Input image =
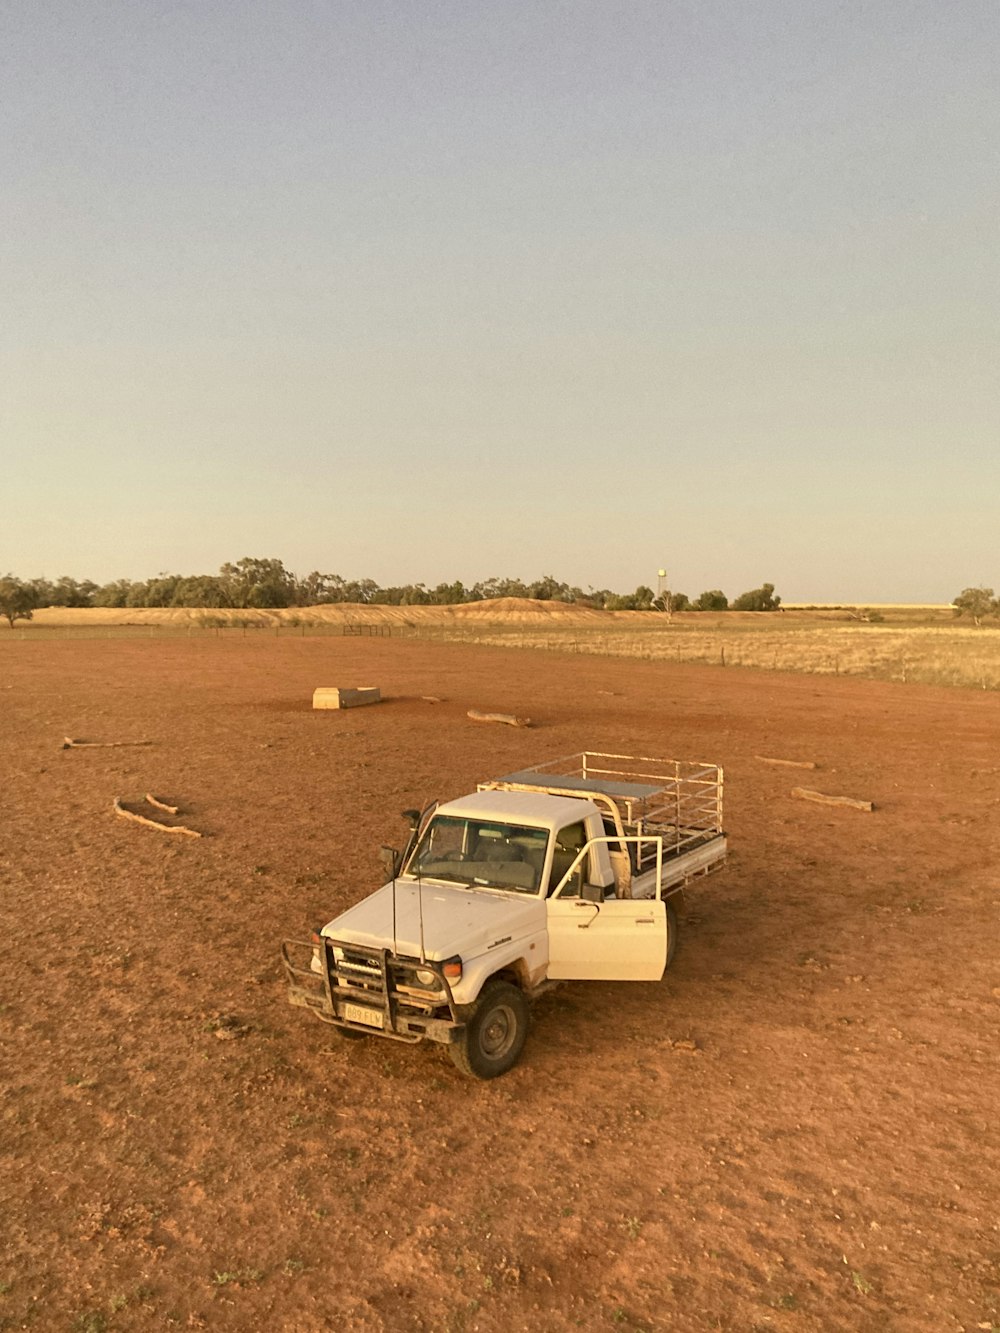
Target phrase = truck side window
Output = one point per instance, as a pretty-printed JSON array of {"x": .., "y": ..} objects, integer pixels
[{"x": 568, "y": 843}]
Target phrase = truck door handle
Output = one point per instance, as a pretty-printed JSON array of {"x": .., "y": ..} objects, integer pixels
[{"x": 595, "y": 908}]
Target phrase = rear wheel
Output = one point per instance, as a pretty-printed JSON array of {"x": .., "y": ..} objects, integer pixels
[
  {"x": 495, "y": 1034},
  {"x": 671, "y": 934}
]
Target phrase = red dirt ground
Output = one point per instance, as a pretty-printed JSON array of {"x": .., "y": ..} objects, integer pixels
[{"x": 180, "y": 1148}]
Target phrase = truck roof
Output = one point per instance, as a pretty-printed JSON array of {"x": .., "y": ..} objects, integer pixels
[{"x": 524, "y": 807}]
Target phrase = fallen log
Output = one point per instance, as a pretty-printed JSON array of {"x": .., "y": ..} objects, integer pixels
[
  {"x": 508, "y": 719},
  {"x": 170, "y": 809},
  {"x": 804, "y": 794},
  {"x": 70, "y": 744},
  {"x": 119, "y": 809},
  {"x": 786, "y": 763}
]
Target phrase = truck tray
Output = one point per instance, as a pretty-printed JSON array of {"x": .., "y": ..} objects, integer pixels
[{"x": 678, "y": 801}]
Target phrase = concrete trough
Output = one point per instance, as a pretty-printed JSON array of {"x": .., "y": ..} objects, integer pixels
[{"x": 330, "y": 696}]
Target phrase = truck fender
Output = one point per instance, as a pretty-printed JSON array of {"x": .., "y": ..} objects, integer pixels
[{"x": 513, "y": 965}]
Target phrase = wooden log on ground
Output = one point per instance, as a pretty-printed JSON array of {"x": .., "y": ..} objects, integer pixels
[
  {"x": 804, "y": 794},
  {"x": 119, "y": 809},
  {"x": 70, "y": 744},
  {"x": 329, "y": 696},
  {"x": 508, "y": 719},
  {"x": 786, "y": 763},
  {"x": 170, "y": 809}
]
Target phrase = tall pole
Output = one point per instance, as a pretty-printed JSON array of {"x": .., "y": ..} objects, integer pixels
[{"x": 661, "y": 589}]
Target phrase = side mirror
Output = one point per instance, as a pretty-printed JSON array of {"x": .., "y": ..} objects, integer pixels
[
  {"x": 413, "y": 816},
  {"x": 592, "y": 893},
  {"x": 389, "y": 858}
]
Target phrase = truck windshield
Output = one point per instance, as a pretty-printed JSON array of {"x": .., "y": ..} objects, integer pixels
[{"x": 481, "y": 851}]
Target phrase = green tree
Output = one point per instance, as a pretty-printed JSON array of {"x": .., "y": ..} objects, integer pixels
[
  {"x": 601, "y": 598},
  {"x": 158, "y": 592},
  {"x": 200, "y": 590},
  {"x": 44, "y": 592},
  {"x": 69, "y": 592},
  {"x": 713, "y": 600},
  {"x": 256, "y": 582},
  {"x": 977, "y": 603},
  {"x": 489, "y": 589},
  {"x": 317, "y": 589},
  {"x": 136, "y": 595},
  {"x": 407, "y": 594},
  {"x": 113, "y": 594},
  {"x": 449, "y": 594},
  {"x": 17, "y": 600},
  {"x": 549, "y": 589},
  {"x": 414, "y": 594},
  {"x": 640, "y": 600},
  {"x": 362, "y": 591},
  {"x": 759, "y": 599}
]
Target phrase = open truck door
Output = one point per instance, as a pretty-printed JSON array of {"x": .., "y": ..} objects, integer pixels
[{"x": 616, "y": 940}]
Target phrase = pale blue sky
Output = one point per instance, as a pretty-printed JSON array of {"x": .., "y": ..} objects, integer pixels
[{"x": 442, "y": 289}]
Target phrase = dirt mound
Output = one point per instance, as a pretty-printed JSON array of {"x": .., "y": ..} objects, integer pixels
[
  {"x": 507, "y": 609},
  {"x": 356, "y": 613},
  {"x": 524, "y": 609},
  {"x": 143, "y": 615}
]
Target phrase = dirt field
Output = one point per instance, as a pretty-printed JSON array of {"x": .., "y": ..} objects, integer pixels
[{"x": 179, "y": 1147}]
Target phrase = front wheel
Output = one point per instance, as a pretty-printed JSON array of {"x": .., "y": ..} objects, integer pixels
[{"x": 495, "y": 1034}]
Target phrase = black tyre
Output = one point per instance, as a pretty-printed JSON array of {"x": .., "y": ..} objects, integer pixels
[
  {"x": 671, "y": 934},
  {"x": 494, "y": 1037},
  {"x": 352, "y": 1034}
]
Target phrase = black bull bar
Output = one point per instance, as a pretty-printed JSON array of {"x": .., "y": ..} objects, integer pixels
[{"x": 370, "y": 990}]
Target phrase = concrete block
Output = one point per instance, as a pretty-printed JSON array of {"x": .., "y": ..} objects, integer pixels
[{"x": 329, "y": 696}]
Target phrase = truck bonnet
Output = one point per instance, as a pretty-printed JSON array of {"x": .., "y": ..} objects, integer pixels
[{"x": 456, "y": 920}]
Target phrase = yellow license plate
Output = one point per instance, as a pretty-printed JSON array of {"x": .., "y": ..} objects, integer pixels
[{"x": 359, "y": 1013}]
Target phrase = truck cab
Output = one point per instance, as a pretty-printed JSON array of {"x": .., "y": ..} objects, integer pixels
[{"x": 553, "y": 850}]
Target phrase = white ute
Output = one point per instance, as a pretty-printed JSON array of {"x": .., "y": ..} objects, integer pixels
[{"x": 561, "y": 872}]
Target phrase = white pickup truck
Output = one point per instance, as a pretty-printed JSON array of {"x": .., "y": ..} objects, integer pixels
[{"x": 561, "y": 872}]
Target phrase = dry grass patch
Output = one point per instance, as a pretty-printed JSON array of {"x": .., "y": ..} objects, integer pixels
[{"x": 952, "y": 655}]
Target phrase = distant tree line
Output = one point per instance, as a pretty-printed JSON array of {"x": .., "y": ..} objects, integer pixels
[
  {"x": 758, "y": 599},
  {"x": 266, "y": 583}
]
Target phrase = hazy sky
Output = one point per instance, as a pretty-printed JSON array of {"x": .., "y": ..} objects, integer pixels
[{"x": 433, "y": 289}]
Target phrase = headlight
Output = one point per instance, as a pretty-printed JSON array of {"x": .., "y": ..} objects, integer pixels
[{"x": 451, "y": 967}]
